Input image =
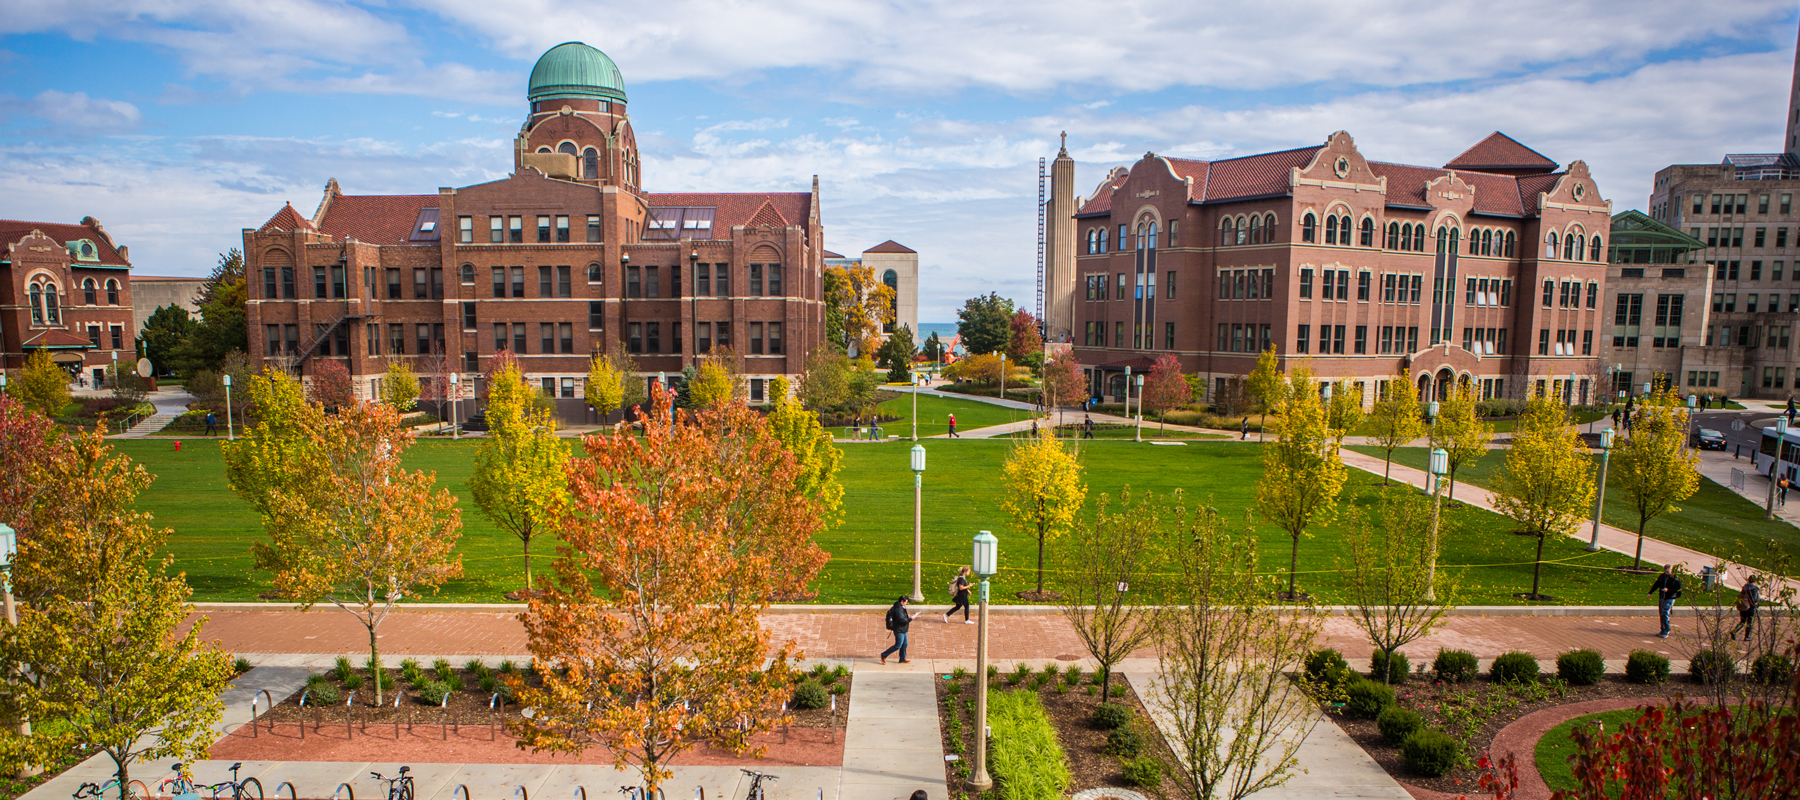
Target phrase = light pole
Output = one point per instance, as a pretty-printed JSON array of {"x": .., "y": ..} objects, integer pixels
[
  {"x": 985, "y": 563},
  {"x": 455, "y": 394},
  {"x": 229, "y": 435},
  {"x": 1138, "y": 434},
  {"x": 9, "y": 547},
  {"x": 1693, "y": 402},
  {"x": 918, "y": 469},
  {"x": 1440, "y": 466},
  {"x": 1002, "y": 376},
  {"x": 1431, "y": 415},
  {"x": 917, "y": 379},
  {"x": 1606, "y": 443},
  {"x": 1781, "y": 428}
]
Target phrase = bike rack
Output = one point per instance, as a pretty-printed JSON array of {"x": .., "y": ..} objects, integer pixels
[
  {"x": 832, "y": 722},
  {"x": 253, "y": 722},
  {"x": 397, "y": 697},
  {"x": 292, "y": 793},
  {"x": 580, "y": 793},
  {"x": 344, "y": 791},
  {"x": 445, "y": 726},
  {"x": 494, "y": 720},
  {"x": 461, "y": 792},
  {"x": 520, "y": 793},
  {"x": 349, "y": 713},
  {"x": 303, "y": 698}
]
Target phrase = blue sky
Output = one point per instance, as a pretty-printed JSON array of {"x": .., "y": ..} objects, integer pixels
[{"x": 178, "y": 123}]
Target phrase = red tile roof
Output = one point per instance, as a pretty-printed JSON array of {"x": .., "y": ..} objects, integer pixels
[
  {"x": 287, "y": 219},
  {"x": 1530, "y": 185},
  {"x": 829, "y": 254},
  {"x": 1252, "y": 176},
  {"x": 1406, "y": 183},
  {"x": 767, "y": 215},
  {"x": 12, "y": 230},
  {"x": 56, "y": 337},
  {"x": 1101, "y": 202},
  {"x": 1501, "y": 152},
  {"x": 738, "y": 208},
  {"x": 1494, "y": 194},
  {"x": 890, "y": 246},
  {"x": 384, "y": 219}
]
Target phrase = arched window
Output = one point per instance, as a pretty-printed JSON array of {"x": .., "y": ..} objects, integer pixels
[
  {"x": 1594, "y": 249},
  {"x": 1139, "y": 233},
  {"x": 1418, "y": 238},
  {"x": 1228, "y": 231},
  {"x": 543, "y": 149},
  {"x": 1091, "y": 241},
  {"x": 594, "y": 273},
  {"x": 37, "y": 304},
  {"x": 590, "y": 164},
  {"x": 52, "y": 314},
  {"x": 1510, "y": 239},
  {"x": 1487, "y": 242},
  {"x": 1344, "y": 230},
  {"x": 1368, "y": 232},
  {"x": 1331, "y": 236},
  {"x": 1393, "y": 236},
  {"x": 1269, "y": 227},
  {"x": 1243, "y": 236},
  {"x": 566, "y": 148},
  {"x": 1443, "y": 238},
  {"x": 1474, "y": 242},
  {"x": 1102, "y": 240},
  {"x": 1550, "y": 246},
  {"x": 112, "y": 292},
  {"x": 89, "y": 293},
  {"x": 1308, "y": 224},
  {"x": 1455, "y": 235},
  {"x": 1151, "y": 245},
  {"x": 1256, "y": 230},
  {"x": 1572, "y": 247},
  {"x": 468, "y": 274}
]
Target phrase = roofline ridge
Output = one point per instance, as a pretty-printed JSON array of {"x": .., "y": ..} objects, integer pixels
[{"x": 1270, "y": 153}]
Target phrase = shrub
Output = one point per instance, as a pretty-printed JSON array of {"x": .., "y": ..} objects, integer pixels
[
  {"x": 1772, "y": 668},
  {"x": 953, "y": 689},
  {"x": 1455, "y": 666},
  {"x": 241, "y": 665},
  {"x": 342, "y": 668},
  {"x": 1124, "y": 742},
  {"x": 507, "y": 667},
  {"x": 811, "y": 694},
  {"x": 1111, "y": 716},
  {"x": 409, "y": 665},
  {"x": 1581, "y": 667},
  {"x": 840, "y": 672},
  {"x": 1099, "y": 676},
  {"x": 1430, "y": 753},
  {"x": 1643, "y": 666},
  {"x": 959, "y": 673},
  {"x": 1712, "y": 666},
  {"x": 1025, "y": 757},
  {"x": 993, "y": 671},
  {"x": 474, "y": 667},
  {"x": 1051, "y": 670},
  {"x": 840, "y": 688},
  {"x": 1514, "y": 666},
  {"x": 1092, "y": 690},
  {"x": 1395, "y": 665},
  {"x": 1144, "y": 771},
  {"x": 1021, "y": 672},
  {"x": 1118, "y": 689},
  {"x": 434, "y": 692},
  {"x": 1397, "y": 723},
  {"x": 325, "y": 694},
  {"x": 443, "y": 669},
  {"x": 1072, "y": 675},
  {"x": 1366, "y": 699},
  {"x": 488, "y": 684},
  {"x": 386, "y": 679},
  {"x": 314, "y": 680},
  {"x": 1040, "y": 680},
  {"x": 353, "y": 681},
  {"x": 1324, "y": 663}
]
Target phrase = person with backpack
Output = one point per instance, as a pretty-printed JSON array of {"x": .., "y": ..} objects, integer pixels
[
  {"x": 212, "y": 424},
  {"x": 1748, "y": 599},
  {"x": 898, "y": 621},
  {"x": 959, "y": 594},
  {"x": 1666, "y": 590}
]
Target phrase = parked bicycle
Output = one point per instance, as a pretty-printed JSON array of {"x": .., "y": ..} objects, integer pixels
[
  {"x": 638, "y": 793},
  {"x": 756, "y": 787},
  {"x": 400, "y": 788},
  {"x": 101, "y": 791}
]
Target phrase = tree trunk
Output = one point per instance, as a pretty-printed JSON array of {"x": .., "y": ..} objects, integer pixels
[
  {"x": 1264, "y": 426},
  {"x": 1537, "y": 568},
  {"x": 1105, "y": 682},
  {"x": 1040, "y": 565},
  {"x": 527, "y": 539},
  {"x": 122, "y": 773},
  {"x": 1390, "y": 467},
  {"x": 1637, "y": 560},
  {"x": 1293, "y": 566},
  {"x": 375, "y": 665},
  {"x": 1452, "y": 494}
]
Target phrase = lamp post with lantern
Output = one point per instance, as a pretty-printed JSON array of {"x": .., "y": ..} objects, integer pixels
[
  {"x": 1606, "y": 443},
  {"x": 985, "y": 563},
  {"x": 455, "y": 395},
  {"x": 918, "y": 470},
  {"x": 1781, "y": 429},
  {"x": 1440, "y": 466},
  {"x": 230, "y": 434},
  {"x": 1138, "y": 433},
  {"x": 1693, "y": 402}
]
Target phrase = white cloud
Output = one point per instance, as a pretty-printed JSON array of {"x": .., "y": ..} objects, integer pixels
[{"x": 76, "y": 112}]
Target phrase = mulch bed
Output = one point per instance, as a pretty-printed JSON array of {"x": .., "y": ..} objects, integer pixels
[{"x": 1071, "y": 713}]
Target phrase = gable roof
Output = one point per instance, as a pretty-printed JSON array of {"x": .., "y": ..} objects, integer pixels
[
  {"x": 890, "y": 246},
  {"x": 738, "y": 208},
  {"x": 767, "y": 215},
  {"x": 12, "y": 230},
  {"x": 384, "y": 219},
  {"x": 829, "y": 254},
  {"x": 1260, "y": 175},
  {"x": 1501, "y": 152},
  {"x": 287, "y": 219}
]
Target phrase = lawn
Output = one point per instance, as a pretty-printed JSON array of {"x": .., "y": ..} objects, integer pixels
[
  {"x": 213, "y": 529},
  {"x": 934, "y": 412},
  {"x": 1715, "y": 520},
  {"x": 1555, "y": 748}
]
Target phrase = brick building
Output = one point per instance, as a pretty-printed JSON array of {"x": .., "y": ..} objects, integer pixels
[
  {"x": 65, "y": 289},
  {"x": 562, "y": 258},
  {"x": 1487, "y": 270}
]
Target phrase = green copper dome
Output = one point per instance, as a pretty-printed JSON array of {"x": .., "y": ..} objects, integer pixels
[{"x": 573, "y": 69}]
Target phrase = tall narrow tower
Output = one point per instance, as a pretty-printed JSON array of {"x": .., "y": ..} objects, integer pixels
[
  {"x": 1792, "y": 145},
  {"x": 1059, "y": 255}
]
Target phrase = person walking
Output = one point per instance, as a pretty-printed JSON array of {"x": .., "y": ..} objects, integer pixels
[
  {"x": 212, "y": 424},
  {"x": 1034, "y": 429},
  {"x": 959, "y": 594},
  {"x": 1781, "y": 497},
  {"x": 953, "y": 427},
  {"x": 1244, "y": 429},
  {"x": 1666, "y": 590},
  {"x": 898, "y": 620},
  {"x": 1615, "y": 418},
  {"x": 1749, "y": 598},
  {"x": 1087, "y": 427}
]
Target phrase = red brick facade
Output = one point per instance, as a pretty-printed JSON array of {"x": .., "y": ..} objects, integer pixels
[
  {"x": 65, "y": 289},
  {"x": 1360, "y": 267}
]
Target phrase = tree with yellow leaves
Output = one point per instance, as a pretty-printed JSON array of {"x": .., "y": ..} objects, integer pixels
[
  {"x": 1268, "y": 388},
  {"x": 800, "y": 432},
  {"x": 1547, "y": 482},
  {"x": 1044, "y": 491},
  {"x": 1459, "y": 432},
  {"x": 716, "y": 382},
  {"x": 519, "y": 481},
  {"x": 857, "y": 307},
  {"x": 42, "y": 385},
  {"x": 1395, "y": 419},
  {"x": 1653, "y": 464},
  {"x": 400, "y": 387},
  {"x": 1302, "y": 473},
  {"x": 605, "y": 386},
  {"x": 1344, "y": 412}
]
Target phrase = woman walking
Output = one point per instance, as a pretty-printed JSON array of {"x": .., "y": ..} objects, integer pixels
[
  {"x": 959, "y": 592},
  {"x": 1748, "y": 599}
]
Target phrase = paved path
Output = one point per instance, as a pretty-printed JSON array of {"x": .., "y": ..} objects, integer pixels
[
  {"x": 170, "y": 403},
  {"x": 892, "y": 745}
]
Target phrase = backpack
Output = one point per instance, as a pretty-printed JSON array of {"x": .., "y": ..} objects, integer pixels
[
  {"x": 1743, "y": 601},
  {"x": 952, "y": 587},
  {"x": 890, "y": 619}
]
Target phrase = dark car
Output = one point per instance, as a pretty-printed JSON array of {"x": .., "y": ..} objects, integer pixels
[{"x": 1709, "y": 439}]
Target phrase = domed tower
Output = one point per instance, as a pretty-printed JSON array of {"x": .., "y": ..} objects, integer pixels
[{"x": 578, "y": 129}]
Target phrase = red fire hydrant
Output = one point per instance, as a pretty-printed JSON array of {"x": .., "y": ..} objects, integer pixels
[{"x": 177, "y": 445}]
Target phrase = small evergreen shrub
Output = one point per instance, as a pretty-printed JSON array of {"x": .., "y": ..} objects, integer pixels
[
  {"x": 434, "y": 692},
  {"x": 1455, "y": 666},
  {"x": 1772, "y": 668},
  {"x": 1099, "y": 676},
  {"x": 474, "y": 667},
  {"x": 1092, "y": 689},
  {"x": 1430, "y": 753},
  {"x": 342, "y": 668},
  {"x": 840, "y": 688},
  {"x": 953, "y": 689},
  {"x": 1072, "y": 675},
  {"x": 1051, "y": 670},
  {"x": 1111, "y": 716},
  {"x": 386, "y": 679},
  {"x": 241, "y": 665},
  {"x": 443, "y": 669},
  {"x": 1581, "y": 667},
  {"x": 507, "y": 667},
  {"x": 324, "y": 694},
  {"x": 959, "y": 673},
  {"x": 1117, "y": 690},
  {"x": 811, "y": 694},
  {"x": 1515, "y": 666},
  {"x": 1365, "y": 699},
  {"x": 1124, "y": 743},
  {"x": 1144, "y": 771},
  {"x": 314, "y": 680},
  {"x": 1643, "y": 666},
  {"x": 353, "y": 681},
  {"x": 1324, "y": 663},
  {"x": 1712, "y": 666},
  {"x": 488, "y": 684},
  {"x": 1396, "y": 666},
  {"x": 1397, "y": 723}
]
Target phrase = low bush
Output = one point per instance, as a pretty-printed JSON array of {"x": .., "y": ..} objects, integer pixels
[
  {"x": 1772, "y": 668},
  {"x": 1455, "y": 666},
  {"x": 1025, "y": 757},
  {"x": 1111, "y": 716},
  {"x": 507, "y": 667},
  {"x": 1124, "y": 742},
  {"x": 1144, "y": 771},
  {"x": 1072, "y": 675},
  {"x": 443, "y": 669},
  {"x": 474, "y": 667},
  {"x": 241, "y": 665},
  {"x": 959, "y": 673},
  {"x": 811, "y": 694},
  {"x": 840, "y": 688},
  {"x": 1581, "y": 667},
  {"x": 1430, "y": 753},
  {"x": 1388, "y": 668},
  {"x": 488, "y": 684},
  {"x": 1397, "y": 723},
  {"x": 386, "y": 679},
  {"x": 1643, "y": 666},
  {"x": 323, "y": 694},
  {"x": 1323, "y": 662},
  {"x": 1515, "y": 666},
  {"x": 434, "y": 692},
  {"x": 1712, "y": 666},
  {"x": 1365, "y": 699},
  {"x": 341, "y": 668},
  {"x": 353, "y": 681}
]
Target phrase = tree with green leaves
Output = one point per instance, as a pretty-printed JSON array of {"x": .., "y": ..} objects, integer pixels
[
  {"x": 825, "y": 384},
  {"x": 1302, "y": 472},
  {"x": 1043, "y": 491},
  {"x": 42, "y": 385},
  {"x": 400, "y": 387},
  {"x": 1024, "y": 345},
  {"x": 1395, "y": 420},
  {"x": 800, "y": 432},
  {"x": 1393, "y": 551},
  {"x": 896, "y": 355},
  {"x": 1459, "y": 431},
  {"x": 934, "y": 348},
  {"x": 164, "y": 333},
  {"x": 1546, "y": 484},
  {"x": 985, "y": 324},
  {"x": 519, "y": 481},
  {"x": 1109, "y": 578},
  {"x": 1653, "y": 464},
  {"x": 1267, "y": 386},
  {"x": 223, "y": 327}
]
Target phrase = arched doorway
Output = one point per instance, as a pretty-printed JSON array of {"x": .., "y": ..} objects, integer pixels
[
  {"x": 1424, "y": 388},
  {"x": 1444, "y": 378}
]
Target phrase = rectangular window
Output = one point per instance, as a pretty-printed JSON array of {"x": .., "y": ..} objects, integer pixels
[
  {"x": 546, "y": 337},
  {"x": 565, "y": 337},
  {"x": 1118, "y": 334},
  {"x": 1781, "y": 237},
  {"x": 423, "y": 334},
  {"x": 549, "y": 386},
  {"x": 499, "y": 281},
  {"x": 518, "y": 330},
  {"x": 1757, "y": 241},
  {"x": 1418, "y": 286},
  {"x": 1593, "y": 300},
  {"x": 1169, "y": 287},
  {"x": 1119, "y": 288},
  {"x": 1787, "y": 204},
  {"x": 722, "y": 280},
  {"x": 1550, "y": 292},
  {"x": 543, "y": 229},
  {"x": 703, "y": 281},
  {"x": 518, "y": 281},
  {"x": 1362, "y": 337},
  {"x": 494, "y": 234},
  {"x": 703, "y": 336},
  {"x": 1737, "y": 237},
  {"x": 775, "y": 338},
  {"x": 568, "y": 387},
  {"x": 1362, "y": 285},
  {"x": 596, "y": 315},
  {"x": 562, "y": 229},
  {"x": 1337, "y": 339},
  {"x": 1712, "y": 237},
  {"x": 756, "y": 390},
  {"x": 1387, "y": 288},
  {"x": 565, "y": 285},
  {"x": 650, "y": 288},
  {"x": 723, "y": 331},
  {"x": 1168, "y": 336},
  {"x": 1762, "y": 204},
  {"x": 515, "y": 227},
  {"x": 1587, "y": 343},
  {"x": 465, "y": 230},
  {"x": 1306, "y": 280},
  {"x": 775, "y": 280},
  {"x": 756, "y": 280},
  {"x": 372, "y": 335},
  {"x": 1715, "y": 204},
  {"x": 593, "y": 228},
  {"x": 1750, "y": 303},
  {"x": 292, "y": 333},
  {"x": 653, "y": 337},
  {"x": 1469, "y": 292},
  {"x": 1756, "y": 270},
  {"x": 544, "y": 289},
  {"x": 1628, "y": 313},
  {"x": 499, "y": 336},
  {"x": 1300, "y": 338},
  {"x": 468, "y": 310},
  {"x": 396, "y": 338},
  {"x": 674, "y": 281},
  {"x": 634, "y": 286},
  {"x": 1543, "y": 341}
]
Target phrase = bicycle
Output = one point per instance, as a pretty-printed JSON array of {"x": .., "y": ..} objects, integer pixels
[
  {"x": 638, "y": 793},
  {"x": 183, "y": 783},
  {"x": 99, "y": 791},
  {"x": 246, "y": 789},
  {"x": 400, "y": 788},
  {"x": 756, "y": 779}
]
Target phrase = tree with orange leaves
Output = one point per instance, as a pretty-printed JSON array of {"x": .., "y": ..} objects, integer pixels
[{"x": 672, "y": 545}]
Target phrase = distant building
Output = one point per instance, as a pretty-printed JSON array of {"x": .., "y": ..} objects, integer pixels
[
  {"x": 151, "y": 292},
  {"x": 897, "y": 266},
  {"x": 65, "y": 289},
  {"x": 1059, "y": 249}
]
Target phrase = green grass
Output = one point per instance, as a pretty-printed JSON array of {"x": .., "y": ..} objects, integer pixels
[
  {"x": 1028, "y": 762},
  {"x": 1555, "y": 748},
  {"x": 1499, "y": 425},
  {"x": 934, "y": 412},
  {"x": 1116, "y": 431},
  {"x": 1716, "y": 520},
  {"x": 871, "y": 550}
]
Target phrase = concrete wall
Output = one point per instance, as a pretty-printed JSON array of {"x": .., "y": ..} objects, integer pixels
[{"x": 149, "y": 293}]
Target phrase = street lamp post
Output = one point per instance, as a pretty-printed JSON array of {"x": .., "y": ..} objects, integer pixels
[
  {"x": 918, "y": 470},
  {"x": 985, "y": 563},
  {"x": 1440, "y": 466},
  {"x": 455, "y": 395},
  {"x": 1138, "y": 434},
  {"x": 1431, "y": 415},
  {"x": 1781, "y": 429},
  {"x": 917, "y": 379},
  {"x": 1002, "y": 376},
  {"x": 1606, "y": 443},
  {"x": 1693, "y": 401},
  {"x": 229, "y": 434}
]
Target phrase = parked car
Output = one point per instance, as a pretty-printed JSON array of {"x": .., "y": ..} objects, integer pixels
[{"x": 1709, "y": 439}]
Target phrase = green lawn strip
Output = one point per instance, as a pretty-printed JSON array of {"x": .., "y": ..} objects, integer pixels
[
  {"x": 1558, "y": 745},
  {"x": 1715, "y": 521},
  {"x": 1027, "y": 761},
  {"x": 1500, "y": 425},
  {"x": 934, "y": 413},
  {"x": 871, "y": 550},
  {"x": 1120, "y": 431}
]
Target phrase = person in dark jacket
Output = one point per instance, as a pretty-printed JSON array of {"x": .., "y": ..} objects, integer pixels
[
  {"x": 898, "y": 620},
  {"x": 1666, "y": 590},
  {"x": 1748, "y": 599},
  {"x": 959, "y": 594}
]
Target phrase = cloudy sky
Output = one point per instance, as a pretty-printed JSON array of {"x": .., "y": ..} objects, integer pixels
[{"x": 179, "y": 122}]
